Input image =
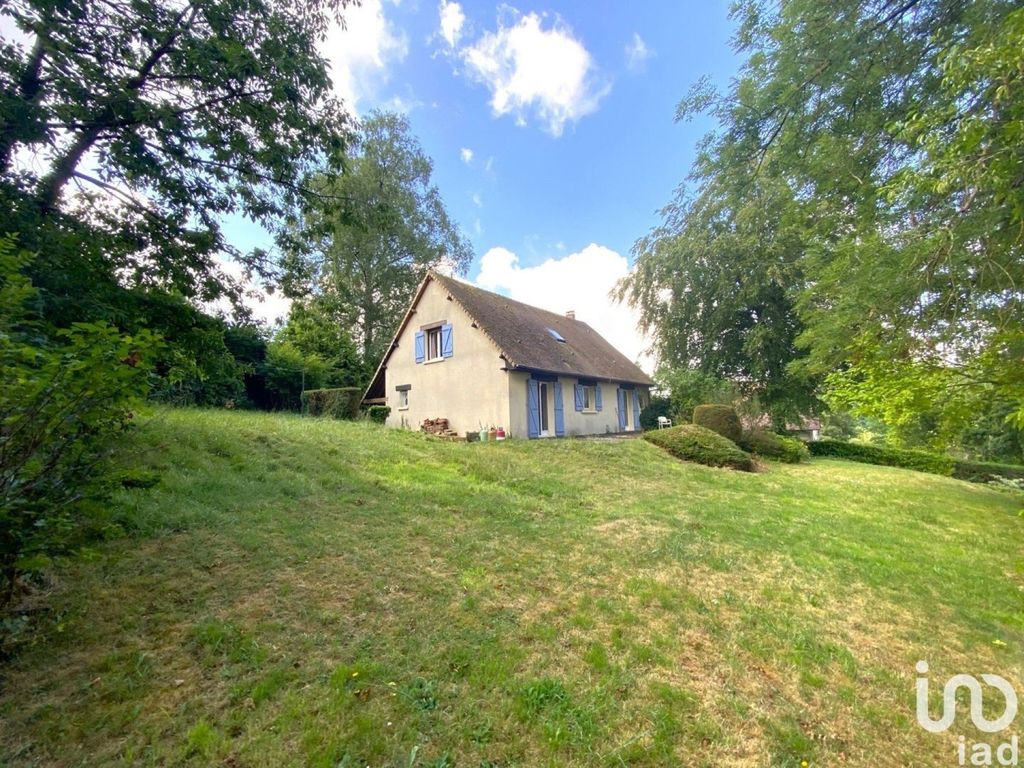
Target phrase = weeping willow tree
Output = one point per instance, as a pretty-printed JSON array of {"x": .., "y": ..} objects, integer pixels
[{"x": 854, "y": 227}]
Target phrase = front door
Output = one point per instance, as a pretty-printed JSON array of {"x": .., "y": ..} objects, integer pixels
[{"x": 545, "y": 415}]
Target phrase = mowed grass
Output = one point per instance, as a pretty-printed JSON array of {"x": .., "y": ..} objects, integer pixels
[{"x": 308, "y": 592}]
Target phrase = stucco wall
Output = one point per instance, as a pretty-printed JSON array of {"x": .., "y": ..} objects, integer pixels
[
  {"x": 469, "y": 388},
  {"x": 576, "y": 422}
]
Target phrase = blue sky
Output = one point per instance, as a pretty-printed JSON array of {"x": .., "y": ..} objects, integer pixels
[{"x": 550, "y": 126}]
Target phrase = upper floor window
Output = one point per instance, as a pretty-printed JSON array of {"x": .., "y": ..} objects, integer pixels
[{"x": 434, "y": 343}]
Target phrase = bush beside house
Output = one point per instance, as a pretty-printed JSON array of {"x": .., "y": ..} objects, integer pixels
[
  {"x": 379, "y": 413},
  {"x": 692, "y": 442},
  {"x": 338, "y": 403}
]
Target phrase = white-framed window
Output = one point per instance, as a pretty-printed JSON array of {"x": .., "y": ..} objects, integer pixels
[
  {"x": 434, "y": 343},
  {"x": 403, "y": 399},
  {"x": 589, "y": 397}
]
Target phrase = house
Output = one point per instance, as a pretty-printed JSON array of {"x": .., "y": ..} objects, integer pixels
[
  {"x": 480, "y": 359},
  {"x": 807, "y": 429}
]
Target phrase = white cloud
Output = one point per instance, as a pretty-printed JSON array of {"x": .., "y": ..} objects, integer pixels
[
  {"x": 265, "y": 307},
  {"x": 531, "y": 70},
  {"x": 489, "y": 164},
  {"x": 477, "y": 200},
  {"x": 580, "y": 282},
  {"x": 362, "y": 53},
  {"x": 466, "y": 154},
  {"x": 637, "y": 54},
  {"x": 452, "y": 20}
]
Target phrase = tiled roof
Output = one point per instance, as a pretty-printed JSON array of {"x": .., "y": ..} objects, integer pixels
[{"x": 524, "y": 335}]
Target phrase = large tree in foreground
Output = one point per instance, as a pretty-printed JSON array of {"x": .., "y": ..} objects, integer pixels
[
  {"x": 868, "y": 175},
  {"x": 372, "y": 232},
  {"x": 135, "y": 127}
]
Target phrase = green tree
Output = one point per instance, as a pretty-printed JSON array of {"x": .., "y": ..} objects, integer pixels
[
  {"x": 316, "y": 327},
  {"x": 369, "y": 237},
  {"x": 63, "y": 400},
  {"x": 866, "y": 178},
  {"x": 289, "y": 372},
  {"x": 179, "y": 113}
]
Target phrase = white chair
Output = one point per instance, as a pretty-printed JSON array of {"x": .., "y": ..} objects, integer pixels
[{"x": 664, "y": 421}]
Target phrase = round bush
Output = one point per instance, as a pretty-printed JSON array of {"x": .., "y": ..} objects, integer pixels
[
  {"x": 719, "y": 418},
  {"x": 773, "y": 446},
  {"x": 691, "y": 442}
]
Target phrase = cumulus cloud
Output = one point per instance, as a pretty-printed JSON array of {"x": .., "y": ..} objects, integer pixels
[
  {"x": 361, "y": 54},
  {"x": 637, "y": 54},
  {"x": 452, "y": 20},
  {"x": 466, "y": 154},
  {"x": 580, "y": 282},
  {"x": 533, "y": 71}
]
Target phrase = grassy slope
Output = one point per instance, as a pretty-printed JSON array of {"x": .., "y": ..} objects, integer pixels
[{"x": 308, "y": 592}]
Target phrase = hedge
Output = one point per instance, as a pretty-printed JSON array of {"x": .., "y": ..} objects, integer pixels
[
  {"x": 378, "y": 413},
  {"x": 890, "y": 457},
  {"x": 722, "y": 419},
  {"x": 772, "y": 446},
  {"x": 339, "y": 403},
  {"x": 691, "y": 442},
  {"x": 983, "y": 471}
]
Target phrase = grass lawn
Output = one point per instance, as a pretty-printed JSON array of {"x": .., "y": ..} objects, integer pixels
[{"x": 308, "y": 592}]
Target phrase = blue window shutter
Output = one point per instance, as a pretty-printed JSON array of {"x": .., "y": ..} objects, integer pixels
[
  {"x": 446, "y": 341},
  {"x": 597, "y": 396},
  {"x": 532, "y": 408},
  {"x": 421, "y": 343},
  {"x": 559, "y": 413},
  {"x": 622, "y": 408},
  {"x": 579, "y": 397},
  {"x": 636, "y": 409}
]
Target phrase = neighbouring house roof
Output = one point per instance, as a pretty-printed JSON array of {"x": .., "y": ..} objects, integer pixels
[
  {"x": 527, "y": 338},
  {"x": 764, "y": 421}
]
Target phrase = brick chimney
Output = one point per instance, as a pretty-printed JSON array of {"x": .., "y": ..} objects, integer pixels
[{"x": 571, "y": 314}]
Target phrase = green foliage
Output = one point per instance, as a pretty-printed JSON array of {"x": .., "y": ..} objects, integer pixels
[
  {"x": 691, "y": 442},
  {"x": 185, "y": 113},
  {"x": 379, "y": 413},
  {"x": 856, "y": 216},
  {"x": 984, "y": 471},
  {"x": 316, "y": 327},
  {"x": 688, "y": 388},
  {"x": 338, "y": 403},
  {"x": 658, "y": 406},
  {"x": 288, "y": 372},
  {"x": 722, "y": 419},
  {"x": 64, "y": 398},
  {"x": 890, "y": 457},
  {"x": 363, "y": 244},
  {"x": 772, "y": 446}
]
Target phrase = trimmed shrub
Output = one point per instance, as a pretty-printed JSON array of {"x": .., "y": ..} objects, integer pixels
[
  {"x": 338, "y": 403},
  {"x": 983, "y": 471},
  {"x": 889, "y": 457},
  {"x": 772, "y": 446},
  {"x": 691, "y": 442},
  {"x": 722, "y": 419},
  {"x": 379, "y": 413},
  {"x": 659, "y": 406}
]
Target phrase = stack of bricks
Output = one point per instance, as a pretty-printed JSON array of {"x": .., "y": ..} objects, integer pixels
[{"x": 438, "y": 427}]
